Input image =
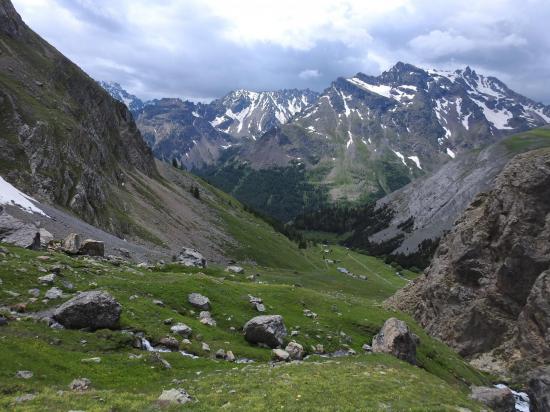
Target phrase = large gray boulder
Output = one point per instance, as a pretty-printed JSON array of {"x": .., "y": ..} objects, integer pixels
[
  {"x": 18, "y": 233},
  {"x": 396, "y": 339},
  {"x": 92, "y": 247},
  {"x": 94, "y": 310},
  {"x": 539, "y": 389},
  {"x": 499, "y": 400},
  {"x": 199, "y": 301},
  {"x": 71, "y": 244},
  {"x": 267, "y": 330},
  {"x": 191, "y": 258}
]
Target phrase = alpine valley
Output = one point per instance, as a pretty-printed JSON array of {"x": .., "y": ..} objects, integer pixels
[{"x": 382, "y": 245}]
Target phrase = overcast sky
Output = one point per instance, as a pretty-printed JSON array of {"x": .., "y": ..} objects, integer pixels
[{"x": 201, "y": 49}]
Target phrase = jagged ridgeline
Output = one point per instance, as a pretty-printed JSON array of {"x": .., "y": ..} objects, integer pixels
[{"x": 64, "y": 139}]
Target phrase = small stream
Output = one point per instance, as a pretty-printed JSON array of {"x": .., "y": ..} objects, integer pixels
[
  {"x": 146, "y": 345},
  {"x": 522, "y": 399}
]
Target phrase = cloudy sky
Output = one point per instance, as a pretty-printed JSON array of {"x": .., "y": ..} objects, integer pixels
[{"x": 201, "y": 49}]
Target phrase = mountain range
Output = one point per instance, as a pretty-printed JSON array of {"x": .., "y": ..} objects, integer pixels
[{"x": 363, "y": 137}]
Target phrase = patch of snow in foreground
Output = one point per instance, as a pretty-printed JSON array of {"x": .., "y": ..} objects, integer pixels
[
  {"x": 522, "y": 399},
  {"x": 9, "y": 195}
]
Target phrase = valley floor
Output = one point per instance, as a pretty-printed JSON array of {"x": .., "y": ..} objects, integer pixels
[{"x": 348, "y": 313}]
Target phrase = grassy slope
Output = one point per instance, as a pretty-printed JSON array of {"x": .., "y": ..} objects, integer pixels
[{"x": 349, "y": 313}]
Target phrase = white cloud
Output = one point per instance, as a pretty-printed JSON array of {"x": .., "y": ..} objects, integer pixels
[{"x": 309, "y": 74}]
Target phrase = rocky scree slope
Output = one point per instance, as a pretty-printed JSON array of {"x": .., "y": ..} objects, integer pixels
[
  {"x": 486, "y": 292},
  {"x": 64, "y": 139},
  {"x": 431, "y": 204}
]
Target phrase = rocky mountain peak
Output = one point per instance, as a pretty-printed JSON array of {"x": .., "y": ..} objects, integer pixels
[{"x": 11, "y": 23}]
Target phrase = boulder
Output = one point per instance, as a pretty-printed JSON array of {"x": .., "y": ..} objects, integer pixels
[
  {"x": 174, "y": 397},
  {"x": 71, "y": 244},
  {"x": 92, "y": 247},
  {"x": 47, "y": 279},
  {"x": 34, "y": 292},
  {"x": 295, "y": 351},
  {"x": 268, "y": 330},
  {"x": 539, "y": 389},
  {"x": 94, "y": 310},
  {"x": 182, "y": 329},
  {"x": 199, "y": 301},
  {"x": 229, "y": 356},
  {"x": 80, "y": 384},
  {"x": 206, "y": 318},
  {"x": 24, "y": 374},
  {"x": 205, "y": 347},
  {"x": 395, "y": 338},
  {"x": 191, "y": 258},
  {"x": 257, "y": 303},
  {"x": 234, "y": 269},
  {"x": 280, "y": 355},
  {"x": 499, "y": 400},
  {"x": 53, "y": 293},
  {"x": 170, "y": 342},
  {"x": 220, "y": 354},
  {"x": 18, "y": 233}
]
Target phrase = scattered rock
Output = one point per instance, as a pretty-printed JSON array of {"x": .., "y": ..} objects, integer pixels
[
  {"x": 367, "y": 348},
  {"x": 170, "y": 343},
  {"x": 24, "y": 374},
  {"x": 25, "y": 398},
  {"x": 168, "y": 321},
  {"x": 66, "y": 284},
  {"x": 220, "y": 354},
  {"x": 234, "y": 269},
  {"x": 205, "y": 347},
  {"x": 280, "y": 355},
  {"x": 3, "y": 321},
  {"x": 206, "y": 318},
  {"x": 539, "y": 389},
  {"x": 92, "y": 247},
  {"x": 267, "y": 329},
  {"x": 47, "y": 279},
  {"x": 91, "y": 360},
  {"x": 80, "y": 384},
  {"x": 395, "y": 338},
  {"x": 319, "y": 349},
  {"x": 174, "y": 396},
  {"x": 71, "y": 244},
  {"x": 199, "y": 301},
  {"x": 309, "y": 314},
  {"x": 295, "y": 350},
  {"x": 229, "y": 356},
  {"x": 158, "y": 302},
  {"x": 34, "y": 292},
  {"x": 95, "y": 310},
  {"x": 257, "y": 303},
  {"x": 54, "y": 293},
  {"x": 156, "y": 358},
  {"x": 191, "y": 258},
  {"x": 499, "y": 400},
  {"x": 182, "y": 329}
]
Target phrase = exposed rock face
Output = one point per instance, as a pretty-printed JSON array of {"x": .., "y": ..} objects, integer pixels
[
  {"x": 64, "y": 140},
  {"x": 267, "y": 330},
  {"x": 395, "y": 338},
  {"x": 487, "y": 287},
  {"x": 499, "y": 400},
  {"x": 95, "y": 310},
  {"x": 191, "y": 257},
  {"x": 539, "y": 389}
]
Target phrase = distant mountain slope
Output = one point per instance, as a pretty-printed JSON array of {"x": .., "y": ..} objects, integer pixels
[
  {"x": 371, "y": 134},
  {"x": 248, "y": 114},
  {"x": 134, "y": 103},
  {"x": 175, "y": 130}
]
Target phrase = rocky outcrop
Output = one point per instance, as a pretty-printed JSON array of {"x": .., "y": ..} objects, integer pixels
[
  {"x": 487, "y": 287},
  {"x": 396, "y": 339},
  {"x": 191, "y": 258},
  {"x": 265, "y": 330},
  {"x": 539, "y": 389},
  {"x": 93, "y": 310},
  {"x": 499, "y": 400}
]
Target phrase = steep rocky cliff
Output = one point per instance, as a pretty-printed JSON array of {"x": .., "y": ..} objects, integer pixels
[
  {"x": 63, "y": 138},
  {"x": 487, "y": 291}
]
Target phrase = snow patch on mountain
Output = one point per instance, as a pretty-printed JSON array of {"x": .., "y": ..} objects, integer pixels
[{"x": 10, "y": 195}]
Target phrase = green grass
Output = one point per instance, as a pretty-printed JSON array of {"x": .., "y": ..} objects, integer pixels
[
  {"x": 349, "y": 314},
  {"x": 530, "y": 140}
]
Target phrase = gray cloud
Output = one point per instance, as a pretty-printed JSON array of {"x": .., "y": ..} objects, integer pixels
[{"x": 202, "y": 49}]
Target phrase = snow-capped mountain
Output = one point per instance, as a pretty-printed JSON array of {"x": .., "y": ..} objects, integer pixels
[
  {"x": 174, "y": 130},
  {"x": 373, "y": 134},
  {"x": 134, "y": 103},
  {"x": 248, "y": 114}
]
